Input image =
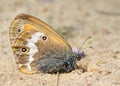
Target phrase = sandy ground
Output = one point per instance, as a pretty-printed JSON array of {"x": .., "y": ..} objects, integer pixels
[{"x": 75, "y": 20}]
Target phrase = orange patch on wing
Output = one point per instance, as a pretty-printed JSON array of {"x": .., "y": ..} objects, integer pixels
[{"x": 26, "y": 71}]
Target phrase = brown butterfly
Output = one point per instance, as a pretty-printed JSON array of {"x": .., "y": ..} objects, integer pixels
[{"x": 39, "y": 48}]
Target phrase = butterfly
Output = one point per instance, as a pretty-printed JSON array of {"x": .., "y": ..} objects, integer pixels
[{"x": 39, "y": 48}]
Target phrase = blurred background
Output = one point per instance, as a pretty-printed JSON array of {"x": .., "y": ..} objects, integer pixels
[{"x": 75, "y": 20}]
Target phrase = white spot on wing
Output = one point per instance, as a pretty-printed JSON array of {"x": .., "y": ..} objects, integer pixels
[{"x": 33, "y": 48}]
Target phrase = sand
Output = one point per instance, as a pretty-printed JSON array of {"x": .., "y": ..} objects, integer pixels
[{"x": 76, "y": 20}]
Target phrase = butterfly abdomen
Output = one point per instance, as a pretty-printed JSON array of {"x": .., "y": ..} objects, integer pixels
[
  {"x": 54, "y": 65},
  {"x": 61, "y": 65}
]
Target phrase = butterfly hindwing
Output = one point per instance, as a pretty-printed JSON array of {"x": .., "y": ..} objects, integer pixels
[{"x": 34, "y": 42}]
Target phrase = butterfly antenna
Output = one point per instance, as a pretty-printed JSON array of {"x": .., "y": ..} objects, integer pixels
[
  {"x": 85, "y": 42},
  {"x": 58, "y": 75}
]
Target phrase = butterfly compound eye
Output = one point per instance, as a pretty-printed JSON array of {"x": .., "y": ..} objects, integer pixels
[{"x": 44, "y": 38}]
